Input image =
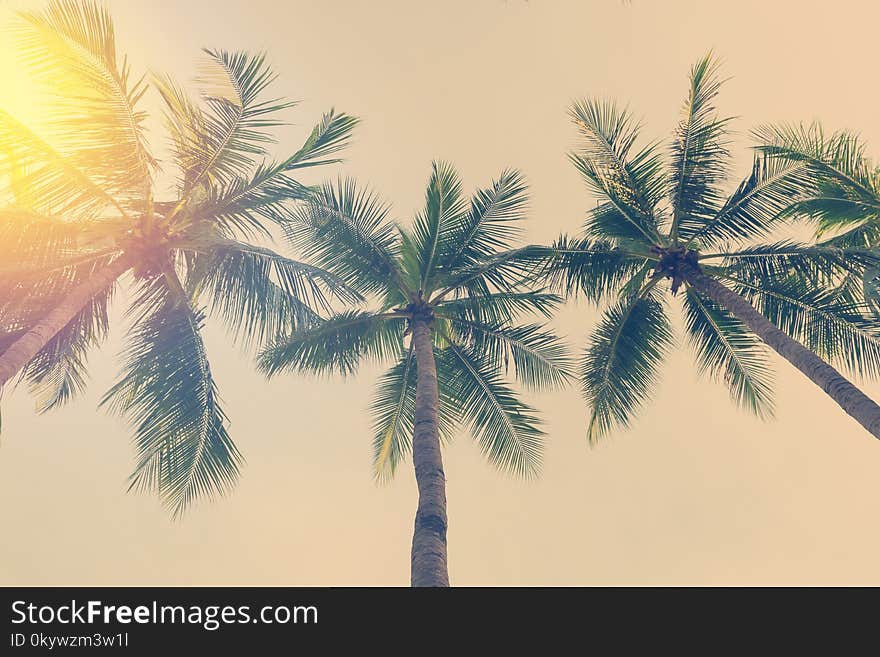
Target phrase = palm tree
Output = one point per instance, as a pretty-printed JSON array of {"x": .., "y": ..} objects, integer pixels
[
  {"x": 665, "y": 219},
  {"x": 87, "y": 218},
  {"x": 452, "y": 283}
]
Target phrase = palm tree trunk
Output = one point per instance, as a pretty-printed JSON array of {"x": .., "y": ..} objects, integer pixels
[
  {"x": 429, "y": 537},
  {"x": 28, "y": 345},
  {"x": 852, "y": 400}
]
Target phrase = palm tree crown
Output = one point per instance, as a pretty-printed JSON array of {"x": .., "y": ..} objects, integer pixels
[
  {"x": 453, "y": 282},
  {"x": 86, "y": 213},
  {"x": 458, "y": 270},
  {"x": 662, "y": 222}
]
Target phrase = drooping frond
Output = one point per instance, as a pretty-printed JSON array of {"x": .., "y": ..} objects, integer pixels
[
  {"x": 630, "y": 186},
  {"x": 58, "y": 371},
  {"x": 823, "y": 264},
  {"x": 699, "y": 163},
  {"x": 393, "y": 410},
  {"x": 31, "y": 241},
  {"x": 167, "y": 391},
  {"x": 336, "y": 344},
  {"x": 726, "y": 349},
  {"x": 829, "y": 322},
  {"x": 260, "y": 294},
  {"x": 540, "y": 359},
  {"x": 507, "y": 430},
  {"x": 619, "y": 368},
  {"x": 94, "y": 110},
  {"x": 346, "y": 231}
]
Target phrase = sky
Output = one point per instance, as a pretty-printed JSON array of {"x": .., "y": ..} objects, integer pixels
[{"x": 696, "y": 492}]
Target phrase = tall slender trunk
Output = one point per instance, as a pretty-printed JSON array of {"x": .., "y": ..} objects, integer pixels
[
  {"x": 429, "y": 536},
  {"x": 852, "y": 400},
  {"x": 28, "y": 345}
]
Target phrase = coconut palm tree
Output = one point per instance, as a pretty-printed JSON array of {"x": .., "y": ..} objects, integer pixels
[
  {"x": 452, "y": 284},
  {"x": 88, "y": 216},
  {"x": 663, "y": 222}
]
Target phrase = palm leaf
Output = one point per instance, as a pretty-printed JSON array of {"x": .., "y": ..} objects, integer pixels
[
  {"x": 166, "y": 389},
  {"x": 71, "y": 47},
  {"x": 346, "y": 231},
  {"x": 699, "y": 154},
  {"x": 436, "y": 225},
  {"x": 506, "y": 428},
  {"x": 619, "y": 368},
  {"x": 336, "y": 344},
  {"x": 539, "y": 357},
  {"x": 630, "y": 186},
  {"x": 830, "y": 322},
  {"x": 726, "y": 348}
]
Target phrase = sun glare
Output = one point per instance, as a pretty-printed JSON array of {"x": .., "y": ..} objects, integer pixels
[{"x": 18, "y": 95}]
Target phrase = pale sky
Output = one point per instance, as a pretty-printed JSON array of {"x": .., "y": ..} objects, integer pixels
[{"x": 697, "y": 492}]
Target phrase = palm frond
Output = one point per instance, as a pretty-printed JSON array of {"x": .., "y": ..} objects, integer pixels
[
  {"x": 507, "y": 430},
  {"x": 231, "y": 134},
  {"x": 594, "y": 269},
  {"x": 166, "y": 389},
  {"x": 823, "y": 264},
  {"x": 619, "y": 368},
  {"x": 58, "y": 372},
  {"x": 499, "y": 307},
  {"x": 331, "y": 135},
  {"x": 393, "y": 409},
  {"x": 505, "y": 271},
  {"x": 436, "y": 224},
  {"x": 540, "y": 358},
  {"x": 57, "y": 183},
  {"x": 71, "y": 47},
  {"x": 346, "y": 231},
  {"x": 699, "y": 154},
  {"x": 260, "y": 294},
  {"x": 727, "y": 349},
  {"x": 490, "y": 225},
  {"x": 830, "y": 322},
  {"x": 337, "y": 344},
  {"x": 631, "y": 186},
  {"x": 758, "y": 205}
]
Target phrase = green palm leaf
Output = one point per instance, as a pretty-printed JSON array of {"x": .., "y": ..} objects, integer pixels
[
  {"x": 619, "y": 368},
  {"x": 345, "y": 230},
  {"x": 166, "y": 389},
  {"x": 699, "y": 154},
  {"x": 630, "y": 186},
  {"x": 829, "y": 322},
  {"x": 506, "y": 429},
  {"x": 727, "y": 349},
  {"x": 337, "y": 344},
  {"x": 540, "y": 359}
]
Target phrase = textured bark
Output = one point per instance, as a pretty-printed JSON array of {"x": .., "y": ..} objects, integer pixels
[
  {"x": 28, "y": 345},
  {"x": 429, "y": 536},
  {"x": 852, "y": 400}
]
